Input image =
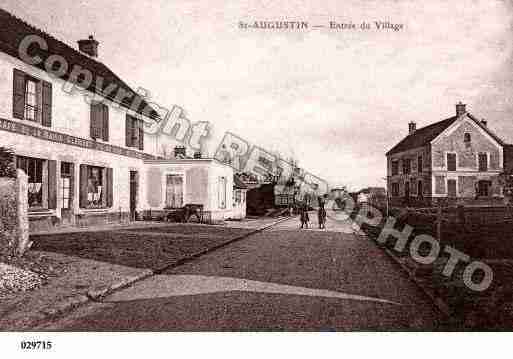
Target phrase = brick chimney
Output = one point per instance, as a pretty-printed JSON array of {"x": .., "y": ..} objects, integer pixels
[
  {"x": 484, "y": 122},
  {"x": 460, "y": 109},
  {"x": 412, "y": 127},
  {"x": 89, "y": 46},
  {"x": 180, "y": 152}
]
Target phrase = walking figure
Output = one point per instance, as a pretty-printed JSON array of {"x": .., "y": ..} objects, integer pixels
[{"x": 303, "y": 215}]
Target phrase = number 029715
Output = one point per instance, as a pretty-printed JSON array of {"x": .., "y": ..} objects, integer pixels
[{"x": 35, "y": 345}]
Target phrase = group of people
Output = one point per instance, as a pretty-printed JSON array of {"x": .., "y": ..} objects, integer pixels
[{"x": 321, "y": 213}]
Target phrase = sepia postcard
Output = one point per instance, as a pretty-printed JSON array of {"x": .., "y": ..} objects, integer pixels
[{"x": 254, "y": 167}]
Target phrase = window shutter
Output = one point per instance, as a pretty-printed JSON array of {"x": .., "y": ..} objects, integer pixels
[
  {"x": 95, "y": 120},
  {"x": 52, "y": 184},
  {"x": 141, "y": 135},
  {"x": 110, "y": 193},
  {"x": 18, "y": 102},
  {"x": 83, "y": 187},
  {"x": 128, "y": 131},
  {"x": 46, "y": 119},
  {"x": 105, "y": 122}
]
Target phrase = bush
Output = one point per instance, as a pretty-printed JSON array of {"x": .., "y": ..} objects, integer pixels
[{"x": 7, "y": 165}]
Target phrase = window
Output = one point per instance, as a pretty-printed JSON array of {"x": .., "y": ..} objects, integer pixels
[
  {"x": 483, "y": 188},
  {"x": 32, "y": 99},
  {"x": 100, "y": 121},
  {"x": 467, "y": 140},
  {"x": 95, "y": 187},
  {"x": 419, "y": 164},
  {"x": 451, "y": 188},
  {"x": 134, "y": 132},
  {"x": 395, "y": 189},
  {"x": 222, "y": 192},
  {"x": 451, "y": 162},
  {"x": 395, "y": 167},
  {"x": 174, "y": 191},
  {"x": 420, "y": 189},
  {"x": 483, "y": 162},
  {"x": 33, "y": 167},
  {"x": 406, "y": 166}
]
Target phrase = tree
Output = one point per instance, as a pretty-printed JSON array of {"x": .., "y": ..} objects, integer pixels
[{"x": 7, "y": 165}]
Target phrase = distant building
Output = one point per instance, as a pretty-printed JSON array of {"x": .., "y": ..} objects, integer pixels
[{"x": 457, "y": 160}]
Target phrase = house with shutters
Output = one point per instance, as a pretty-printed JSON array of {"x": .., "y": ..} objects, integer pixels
[
  {"x": 78, "y": 132},
  {"x": 458, "y": 160}
]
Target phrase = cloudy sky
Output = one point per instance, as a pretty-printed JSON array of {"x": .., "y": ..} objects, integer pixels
[{"x": 335, "y": 100}]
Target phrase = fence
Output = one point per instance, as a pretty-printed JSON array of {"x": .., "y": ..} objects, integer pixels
[{"x": 479, "y": 231}]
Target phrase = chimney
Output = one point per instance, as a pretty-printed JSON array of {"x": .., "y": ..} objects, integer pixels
[
  {"x": 89, "y": 46},
  {"x": 484, "y": 122},
  {"x": 412, "y": 126},
  {"x": 460, "y": 109},
  {"x": 180, "y": 152}
]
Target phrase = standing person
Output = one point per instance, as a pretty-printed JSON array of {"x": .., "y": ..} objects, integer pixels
[
  {"x": 303, "y": 215},
  {"x": 321, "y": 213}
]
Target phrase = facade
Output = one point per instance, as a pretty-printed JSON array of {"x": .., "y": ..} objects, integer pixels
[
  {"x": 458, "y": 161},
  {"x": 86, "y": 153},
  {"x": 173, "y": 183}
]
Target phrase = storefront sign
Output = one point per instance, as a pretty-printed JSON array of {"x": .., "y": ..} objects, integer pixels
[{"x": 57, "y": 137}]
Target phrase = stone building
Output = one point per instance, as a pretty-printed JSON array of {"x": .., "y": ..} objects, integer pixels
[{"x": 457, "y": 160}]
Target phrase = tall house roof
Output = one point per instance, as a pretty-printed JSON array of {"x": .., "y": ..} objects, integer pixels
[
  {"x": 423, "y": 136},
  {"x": 13, "y": 30}
]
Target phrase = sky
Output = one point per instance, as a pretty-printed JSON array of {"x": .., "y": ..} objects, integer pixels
[{"x": 336, "y": 101}]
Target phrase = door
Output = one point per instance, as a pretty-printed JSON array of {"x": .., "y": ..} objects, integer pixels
[
  {"x": 133, "y": 195},
  {"x": 66, "y": 192}
]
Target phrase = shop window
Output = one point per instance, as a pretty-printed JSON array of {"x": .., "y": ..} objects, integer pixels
[
  {"x": 174, "y": 191},
  {"x": 95, "y": 187},
  {"x": 33, "y": 167}
]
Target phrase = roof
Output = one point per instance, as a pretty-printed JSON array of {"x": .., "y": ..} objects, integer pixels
[
  {"x": 13, "y": 30},
  {"x": 423, "y": 136}
]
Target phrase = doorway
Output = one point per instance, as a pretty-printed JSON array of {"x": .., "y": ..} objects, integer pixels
[
  {"x": 67, "y": 185},
  {"x": 134, "y": 184}
]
